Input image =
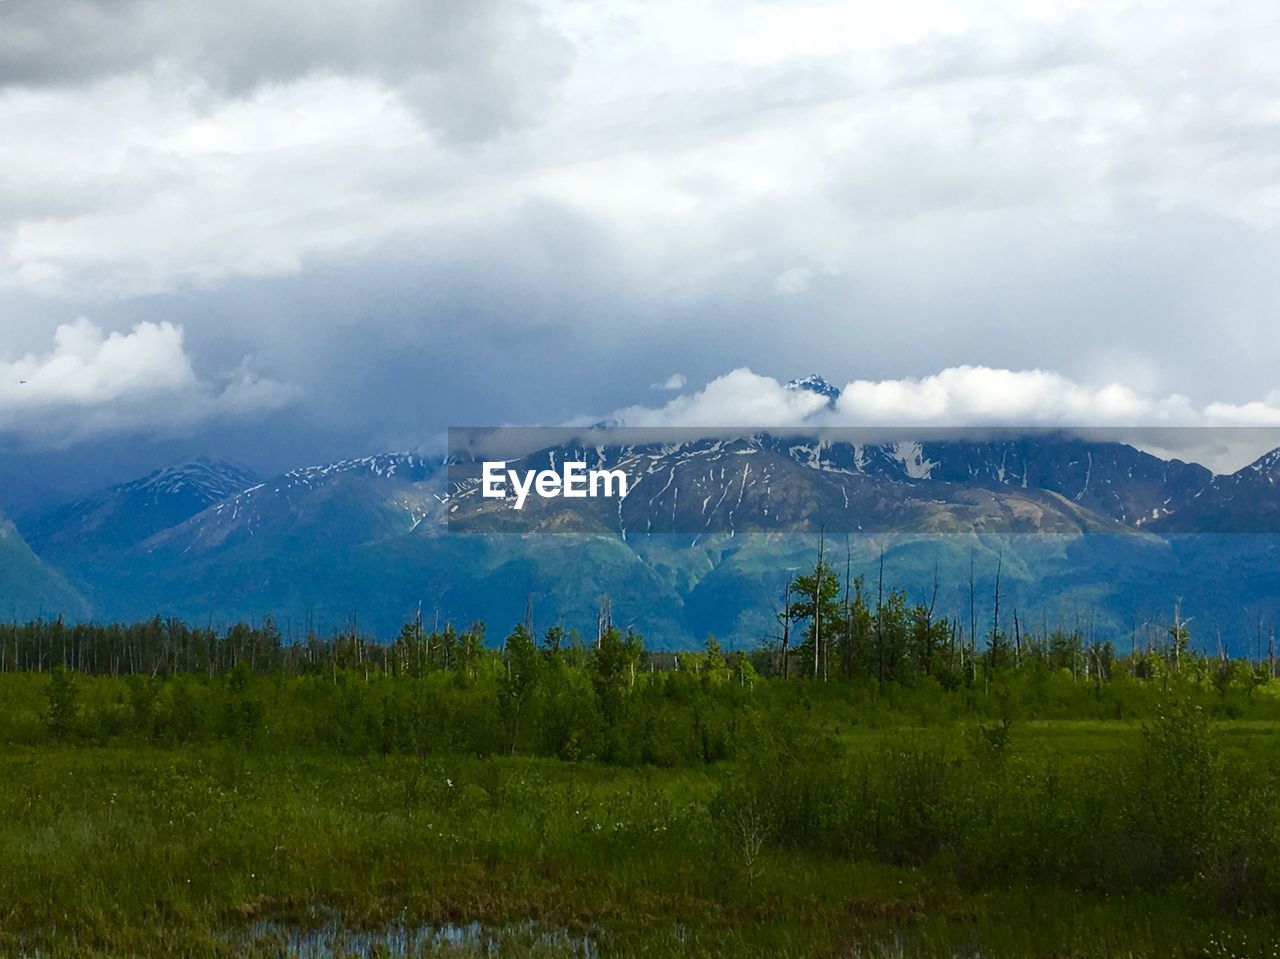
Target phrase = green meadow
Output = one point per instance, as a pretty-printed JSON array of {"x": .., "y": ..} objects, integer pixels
[{"x": 830, "y": 820}]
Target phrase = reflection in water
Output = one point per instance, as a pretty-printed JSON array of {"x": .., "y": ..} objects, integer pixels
[{"x": 400, "y": 941}]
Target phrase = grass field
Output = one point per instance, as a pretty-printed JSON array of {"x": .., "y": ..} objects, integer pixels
[{"x": 215, "y": 850}]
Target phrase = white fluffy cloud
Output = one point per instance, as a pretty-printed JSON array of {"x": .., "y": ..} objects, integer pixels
[
  {"x": 1263, "y": 412},
  {"x": 92, "y": 381},
  {"x": 676, "y": 381},
  {"x": 980, "y": 395},
  {"x": 87, "y": 367},
  {"x": 739, "y": 398},
  {"x": 958, "y": 396}
]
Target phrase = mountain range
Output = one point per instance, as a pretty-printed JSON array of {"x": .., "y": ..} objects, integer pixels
[{"x": 1083, "y": 531}]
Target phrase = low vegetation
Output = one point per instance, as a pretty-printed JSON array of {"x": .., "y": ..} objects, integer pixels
[{"x": 896, "y": 789}]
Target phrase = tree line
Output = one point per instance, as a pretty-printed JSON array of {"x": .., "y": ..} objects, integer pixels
[
  {"x": 847, "y": 628},
  {"x": 830, "y": 627}
]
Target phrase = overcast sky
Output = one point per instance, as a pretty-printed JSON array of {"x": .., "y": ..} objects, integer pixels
[{"x": 284, "y": 231}]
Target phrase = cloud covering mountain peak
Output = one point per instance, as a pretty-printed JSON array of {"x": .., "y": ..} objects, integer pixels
[{"x": 961, "y": 396}]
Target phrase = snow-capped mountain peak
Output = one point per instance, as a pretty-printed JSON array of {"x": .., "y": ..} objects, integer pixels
[
  {"x": 123, "y": 515},
  {"x": 202, "y": 479},
  {"x": 813, "y": 383},
  {"x": 1266, "y": 465}
]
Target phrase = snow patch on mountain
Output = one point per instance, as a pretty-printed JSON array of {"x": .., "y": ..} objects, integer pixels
[
  {"x": 914, "y": 462},
  {"x": 207, "y": 479}
]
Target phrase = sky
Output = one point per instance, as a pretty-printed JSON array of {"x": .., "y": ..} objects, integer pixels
[{"x": 284, "y": 232}]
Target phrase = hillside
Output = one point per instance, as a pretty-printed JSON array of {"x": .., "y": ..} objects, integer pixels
[{"x": 30, "y": 588}]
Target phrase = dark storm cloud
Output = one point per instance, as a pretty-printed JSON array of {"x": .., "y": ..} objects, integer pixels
[{"x": 411, "y": 215}]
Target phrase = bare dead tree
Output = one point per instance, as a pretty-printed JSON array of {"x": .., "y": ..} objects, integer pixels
[
  {"x": 1179, "y": 627},
  {"x": 786, "y": 629},
  {"x": 817, "y": 603},
  {"x": 995, "y": 612},
  {"x": 880, "y": 620},
  {"x": 604, "y": 621},
  {"x": 848, "y": 619},
  {"x": 928, "y": 622},
  {"x": 973, "y": 618}
]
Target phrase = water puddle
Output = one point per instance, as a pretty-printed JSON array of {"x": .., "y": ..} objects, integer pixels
[{"x": 333, "y": 940}]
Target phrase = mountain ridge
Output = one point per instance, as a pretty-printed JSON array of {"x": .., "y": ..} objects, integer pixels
[
  {"x": 1073, "y": 521},
  {"x": 120, "y": 516}
]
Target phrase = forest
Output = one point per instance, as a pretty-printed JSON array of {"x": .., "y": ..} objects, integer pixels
[{"x": 877, "y": 779}]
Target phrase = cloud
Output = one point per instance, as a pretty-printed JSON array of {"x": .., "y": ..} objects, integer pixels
[
  {"x": 739, "y": 398},
  {"x": 472, "y": 194},
  {"x": 210, "y": 141},
  {"x": 798, "y": 279},
  {"x": 676, "y": 381},
  {"x": 980, "y": 395},
  {"x": 92, "y": 381},
  {"x": 792, "y": 281},
  {"x": 87, "y": 367},
  {"x": 960, "y": 396},
  {"x": 468, "y": 71},
  {"x": 1264, "y": 412}
]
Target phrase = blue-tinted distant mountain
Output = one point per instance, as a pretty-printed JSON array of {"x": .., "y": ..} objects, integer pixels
[
  {"x": 352, "y": 501},
  {"x": 29, "y": 587},
  {"x": 370, "y": 537},
  {"x": 1246, "y": 501},
  {"x": 773, "y": 481},
  {"x": 766, "y": 482},
  {"x": 124, "y": 515},
  {"x": 1114, "y": 479}
]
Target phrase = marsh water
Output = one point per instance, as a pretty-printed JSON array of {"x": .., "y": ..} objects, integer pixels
[{"x": 333, "y": 940}]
